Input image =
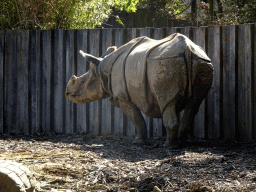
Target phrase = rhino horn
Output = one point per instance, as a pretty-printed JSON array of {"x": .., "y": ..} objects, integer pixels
[{"x": 91, "y": 58}]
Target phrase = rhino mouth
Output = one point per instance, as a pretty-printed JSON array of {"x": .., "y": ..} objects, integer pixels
[
  {"x": 77, "y": 99},
  {"x": 73, "y": 98}
]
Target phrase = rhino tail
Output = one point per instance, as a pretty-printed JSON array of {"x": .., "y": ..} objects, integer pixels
[{"x": 200, "y": 72}]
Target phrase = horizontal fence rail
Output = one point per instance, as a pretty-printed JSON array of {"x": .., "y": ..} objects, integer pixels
[{"x": 35, "y": 67}]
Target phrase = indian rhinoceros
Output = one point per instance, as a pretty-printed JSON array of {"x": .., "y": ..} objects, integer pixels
[{"x": 157, "y": 77}]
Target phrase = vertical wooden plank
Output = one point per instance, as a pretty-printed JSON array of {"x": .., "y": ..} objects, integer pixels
[
  {"x": 82, "y": 109},
  {"x": 58, "y": 81},
  {"x": 119, "y": 116},
  {"x": 254, "y": 83},
  {"x": 171, "y": 30},
  {"x": 35, "y": 81},
  {"x": 244, "y": 83},
  {"x": 188, "y": 31},
  {"x": 229, "y": 81},
  {"x": 107, "y": 108},
  {"x": 213, "y": 99},
  {"x": 181, "y": 30},
  {"x": 46, "y": 80},
  {"x": 130, "y": 127},
  {"x": 69, "y": 61},
  {"x": 11, "y": 81},
  {"x": 95, "y": 107},
  {"x": 149, "y": 32},
  {"x": 1, "y": 81},
  {"x": 157, "y": 122},
  {"x": 199, "y": 122},
  {"x": 22, "y": 77}
]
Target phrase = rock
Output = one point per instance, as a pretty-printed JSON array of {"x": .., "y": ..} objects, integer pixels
[{"x": 15, "y": 177}]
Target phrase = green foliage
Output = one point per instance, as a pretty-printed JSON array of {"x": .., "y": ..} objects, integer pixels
[
  {"x": 240, "y": 11},
  {"x": 228, "y": 12},
  {"x": 165, "y": 8},
  {"x": 52, "y": 14},
  {"x": 208, "y": 12}
]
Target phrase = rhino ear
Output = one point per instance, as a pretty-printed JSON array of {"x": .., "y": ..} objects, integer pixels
[
  {"x": 109, "y": 50},
  {"x": 91, "y": 58}
]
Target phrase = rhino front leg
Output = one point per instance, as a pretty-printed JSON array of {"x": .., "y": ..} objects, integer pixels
[
  {"x": 134, "y": 114},
  {"x": 171, "y": 123}
]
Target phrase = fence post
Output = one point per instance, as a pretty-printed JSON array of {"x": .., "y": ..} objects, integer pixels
[
  {"x": 213, "y": 99},
  {"x": 229, "y": 81},
  {"x": 11, "y": 82},
  {"x": 1, "y": 81},
  {"x": 46, "y": 80},
  {"x": 82, "y": 109},
  {"x": 69, "y": 61},
  {"x": 35, "y": 81},
  {"x": 254, "y": 80},
  {"x": 244, "y": 83},
  {"x": 58, "y": 81},
  {"x": 22, "y": 80}
]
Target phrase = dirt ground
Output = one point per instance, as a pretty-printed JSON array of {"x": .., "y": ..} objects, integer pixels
[{"x": 85, "y": 163}]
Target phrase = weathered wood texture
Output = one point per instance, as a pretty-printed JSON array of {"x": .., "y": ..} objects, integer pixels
[
  {"x": 244, "y": 84},
  {"x": 35, "y": 67},
  {"x": 70, "y": 112},
  {"x": 213, "y": 99},
  {"x": 22, "y": 81},
  {"x": 229, "y": 81},
  {"x": 1, "y": 81},
  {"x": 35, "y": 81},
  {"x": 58, "y": 81},
  {"x": 82, "y": 111},
  {"x": 46, "y": 80}
]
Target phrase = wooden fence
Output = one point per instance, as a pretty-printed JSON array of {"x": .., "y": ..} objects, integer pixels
[{"x": 35, "y": 67}]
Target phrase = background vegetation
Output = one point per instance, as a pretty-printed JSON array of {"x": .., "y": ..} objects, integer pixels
[
  {"x": 208, "y": 12},
  {"x": 52, "y": 14},
  {"x": 75, "y": 14}
]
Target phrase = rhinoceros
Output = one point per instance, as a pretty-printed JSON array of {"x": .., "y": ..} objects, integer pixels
[{"x": 157, "y": 77}]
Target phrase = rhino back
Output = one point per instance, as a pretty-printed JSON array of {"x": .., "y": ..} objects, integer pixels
[
  {"x": 136, "y": 76},
  {"x": 156, "y": 72},
  {"x": 153, "y": 84}
]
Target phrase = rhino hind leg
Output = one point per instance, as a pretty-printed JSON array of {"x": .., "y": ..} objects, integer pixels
[
  {"x": 201, "y": 86},
  {"x": 134, "y": 114},
  {"x": 171, "y": 123},
  {"x": 186, "y": 124}
]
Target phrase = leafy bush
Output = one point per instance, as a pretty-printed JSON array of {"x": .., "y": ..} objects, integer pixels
[{"x": 53, "y": 14}]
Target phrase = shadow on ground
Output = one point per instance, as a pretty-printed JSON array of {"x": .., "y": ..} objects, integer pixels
[{"x": 113, "y": 163}]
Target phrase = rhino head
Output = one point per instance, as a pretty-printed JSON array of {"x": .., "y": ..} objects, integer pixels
[{"x": 88, "y": 87}]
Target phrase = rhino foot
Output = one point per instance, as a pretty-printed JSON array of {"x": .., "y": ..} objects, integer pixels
[
  {"x": 138, "y": 141},
  {"x": 171, "y": 145}
]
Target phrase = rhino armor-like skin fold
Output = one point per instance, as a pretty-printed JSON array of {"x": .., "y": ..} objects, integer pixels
[{"x": 158, "y": 77}]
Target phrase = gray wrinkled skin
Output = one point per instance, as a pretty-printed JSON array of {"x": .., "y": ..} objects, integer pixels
[{"x": 157, "y": 77}]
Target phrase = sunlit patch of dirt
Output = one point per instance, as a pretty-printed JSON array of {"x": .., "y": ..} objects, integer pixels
[{"x": 85, "y": 163}]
